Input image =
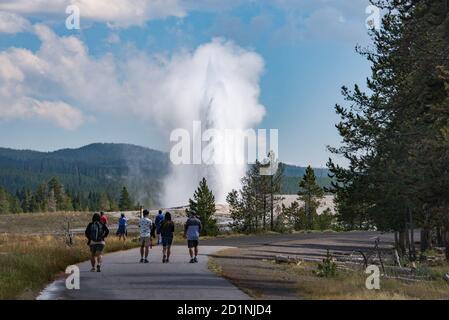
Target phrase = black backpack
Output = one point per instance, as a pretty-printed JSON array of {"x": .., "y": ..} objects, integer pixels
[{"x": 96, "y": 232}]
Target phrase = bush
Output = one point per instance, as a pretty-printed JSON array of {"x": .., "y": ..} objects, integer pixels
[{"x": 327, "y": 268}]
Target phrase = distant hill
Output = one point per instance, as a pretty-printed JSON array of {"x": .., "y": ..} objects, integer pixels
[
  {"x": 96, "y": 167},
  {"x": 293, "y": 174},
  {"x": 106, "y": 167}
]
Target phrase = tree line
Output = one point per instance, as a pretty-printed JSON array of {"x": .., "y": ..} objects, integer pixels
[
  {"x": 257, "y": 205},
  {"x": 396, "y": 132},
  {"x": 51, "y": 197}
]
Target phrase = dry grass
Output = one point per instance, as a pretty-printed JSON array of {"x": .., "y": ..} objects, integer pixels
[
  {"x": 351, "y": 286},
  {"x": 44, "y": 223},
  {"x": 28, "y": 263}
]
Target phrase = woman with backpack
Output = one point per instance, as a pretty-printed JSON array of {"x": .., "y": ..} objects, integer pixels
[
  {"x": 167, "y": 230},
  {"x": 96, "y": 232}
]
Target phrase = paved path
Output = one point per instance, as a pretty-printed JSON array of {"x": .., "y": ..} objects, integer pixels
[{"x": 124, "y": 278}]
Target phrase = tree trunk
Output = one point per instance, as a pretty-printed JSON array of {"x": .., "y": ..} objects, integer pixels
[
  {"x": 402, "y": 245},
  {"x": 412, "y": 236},
  {"x": 440, "y": 237},
  {"x": 406, "y": 234},
  {"x": 271, "y": 204},
  {"x": 425, "y": 239},
  {"x": 396, "y": 241},
  {"x": 447, "y": 243},
  {"x": 264, "y": 222}
]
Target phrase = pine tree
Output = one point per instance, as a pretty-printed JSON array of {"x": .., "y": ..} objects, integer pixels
[
  {"x": 310, "y": 193},
  {"x": 125, "y": 202},
  {"x": 4, "y": 201},
  {"x": 396, "y": 137},
  {"x": 105, "y": 204},
  {"x": 203, "y": 203}
]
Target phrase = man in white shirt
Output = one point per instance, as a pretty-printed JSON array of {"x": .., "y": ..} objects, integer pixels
[{"x": 146, "y": 232}]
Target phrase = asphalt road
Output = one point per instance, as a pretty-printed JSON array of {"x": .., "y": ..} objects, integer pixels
[{"x": 124, "y": 278}]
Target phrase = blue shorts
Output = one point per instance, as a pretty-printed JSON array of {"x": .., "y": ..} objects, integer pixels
[
  {"x": 122, "y": 231},
  {"x": 167, "y": 241}
]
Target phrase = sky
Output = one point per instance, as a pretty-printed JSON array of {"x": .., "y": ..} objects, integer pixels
[{"x": 137, "y": 69}]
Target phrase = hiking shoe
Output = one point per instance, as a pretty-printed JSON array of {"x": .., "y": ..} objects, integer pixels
[
  {"x": 92, "y": 270},
  {"x": 98, "y": 268},
  {"x": 195, "y": 260},
  {"x": 142, "y": 260},
  {"x": 192, "y": 260},
  {"x": 146, "y": 261}
]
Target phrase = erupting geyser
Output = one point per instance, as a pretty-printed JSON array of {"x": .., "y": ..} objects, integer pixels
[{"x": 215, "y": 87}]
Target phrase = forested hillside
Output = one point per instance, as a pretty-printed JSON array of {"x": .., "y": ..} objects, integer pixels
[
  {"x": 93, "y": 177},
  {"x": 100, "y": 168}
]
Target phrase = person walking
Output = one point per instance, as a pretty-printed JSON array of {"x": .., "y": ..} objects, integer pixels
[
  {"x": 96, "y": 233},
  {"x": 146, "y": 232},
  {"x": 192, "y": 231},
  {"x": 158, "y": 221},
  {"x": 122, "y": 230},
  {"x": 167, "y": 231}
]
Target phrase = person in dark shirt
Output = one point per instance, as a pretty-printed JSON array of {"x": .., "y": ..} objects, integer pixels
[
  {"x": 167, "y": 230},
  {"x": 96, "y": 232}
]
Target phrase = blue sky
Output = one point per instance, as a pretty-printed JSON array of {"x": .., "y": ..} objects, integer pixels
[{"x": 306, "y": 49}]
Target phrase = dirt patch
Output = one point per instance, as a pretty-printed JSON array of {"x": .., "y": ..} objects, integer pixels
[{"x": 254, "y": 275}]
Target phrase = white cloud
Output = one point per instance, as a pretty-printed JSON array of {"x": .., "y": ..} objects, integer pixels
[
  {"x": 322, "y": 19},
  {"x": 12, "y": 23},
  {"x": 117, "y": 13},
  {"x": 156, "y": 87},
  {"x": 58, "y": 112}
]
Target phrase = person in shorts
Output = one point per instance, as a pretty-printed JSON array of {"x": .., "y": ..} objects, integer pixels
[
  {"x": 96, "y": 233},
  {"x": 146, "y": 232},
  {"x": 167, "y": 230},
  {"x": 122, "y": 231},
  {"x": 192, "y": 231}
]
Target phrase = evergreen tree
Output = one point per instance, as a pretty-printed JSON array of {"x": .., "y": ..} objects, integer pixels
[
  {"x": 4, "y": 201},
  {"x": 105, "y": 204},
  {"x": 395, "y": 138},
  {"x": 125, "y": 202},
  {"x": 310, "y": 193},
  {"x": 203, "y": 203},
  {"x": 251, "y": 205}
]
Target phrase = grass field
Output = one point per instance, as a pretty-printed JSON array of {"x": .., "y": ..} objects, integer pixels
[{"x": 44, "y": 223}]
